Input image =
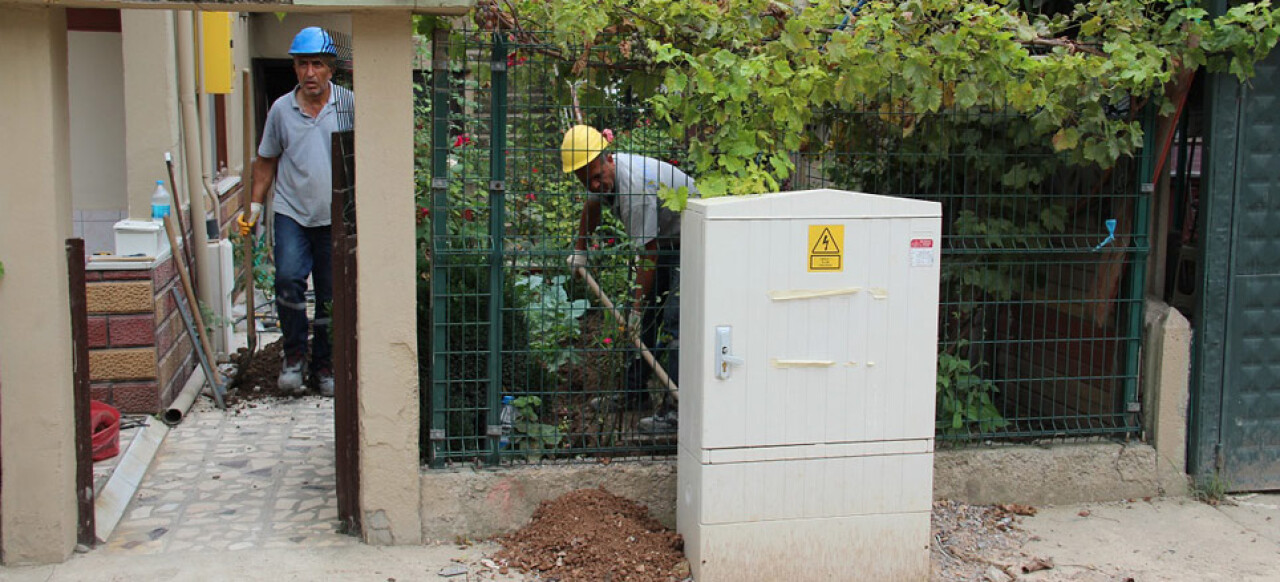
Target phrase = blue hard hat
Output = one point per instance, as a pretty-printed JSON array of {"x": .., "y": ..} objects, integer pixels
[{"x": 313, "y": 40}]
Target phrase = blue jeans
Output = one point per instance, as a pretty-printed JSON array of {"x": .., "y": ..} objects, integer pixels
[{"x": 302, "y": 251}]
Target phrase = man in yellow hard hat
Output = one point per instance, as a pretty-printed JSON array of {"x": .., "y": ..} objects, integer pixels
[{"x": 628, "y": 185}]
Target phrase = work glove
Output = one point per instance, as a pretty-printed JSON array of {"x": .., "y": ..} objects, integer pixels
[
  {"x": 577, "y": 259},
  {"x": 246, "y": 226}
]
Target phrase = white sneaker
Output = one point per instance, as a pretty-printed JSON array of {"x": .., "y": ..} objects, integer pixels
[
  {"x": 291, "y": 376},
  {"x": 324, "y": 381}
]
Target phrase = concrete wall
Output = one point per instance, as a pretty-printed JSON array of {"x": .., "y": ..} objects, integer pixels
[
  {"x": 385, "y": 293},
  {"x": 241, "y": 56},
  {"x": 95, "y": 69},
  {"x": 1166, "y": 379},
  {"x": 37, "y": 469},
  {"x": 96, "y": 80},
  {"x": 485, "y": 503},
  {"x": 1053, "y": 474},
  {"x": 150, "y": 105}
]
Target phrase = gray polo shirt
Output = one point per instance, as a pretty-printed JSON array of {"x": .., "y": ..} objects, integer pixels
[
  {"x": 637, "y": 180},
  {"x": 304, "y": 177}
]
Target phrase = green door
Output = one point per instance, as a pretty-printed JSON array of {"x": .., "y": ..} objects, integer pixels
[{"x": 1236, "y": 418}]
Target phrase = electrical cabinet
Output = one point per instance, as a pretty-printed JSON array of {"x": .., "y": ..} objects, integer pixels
[{"x": 808, "y": 357}]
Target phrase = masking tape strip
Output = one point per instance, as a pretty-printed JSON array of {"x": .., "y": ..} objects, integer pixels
[
  {"x": 879, "y": 293},
  {"x": 793, "y": 294},
  {"x": 801, "y": 363}
]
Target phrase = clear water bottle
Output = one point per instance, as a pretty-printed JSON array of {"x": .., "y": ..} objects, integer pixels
[
  {"x": 507, "y": 421},
  {"x": 160, "y": 202}
]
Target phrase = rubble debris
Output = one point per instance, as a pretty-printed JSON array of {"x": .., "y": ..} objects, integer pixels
[
  {"x": 1018, "y": 509},
  {"x": 970, "y": 540},
  {"x": 453, "y": 570},
  {"x": 1037, "y": 565}
]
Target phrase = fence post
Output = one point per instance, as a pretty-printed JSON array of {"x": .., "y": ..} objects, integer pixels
[
  {"x": 497, "y": 230},
  {"x": 439, "y": 233},
  {"x": 1137, "y": 282}
]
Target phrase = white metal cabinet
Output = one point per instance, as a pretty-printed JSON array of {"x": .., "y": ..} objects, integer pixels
[{"x": 817, "y": 449}]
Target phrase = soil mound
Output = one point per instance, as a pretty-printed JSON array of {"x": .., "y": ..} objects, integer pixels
[
  {"x": 591, "y": 535},
  {"x": 258, "y": 379}
]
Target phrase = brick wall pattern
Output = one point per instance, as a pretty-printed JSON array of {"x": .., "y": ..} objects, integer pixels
[{"x": 139, "y": 352}]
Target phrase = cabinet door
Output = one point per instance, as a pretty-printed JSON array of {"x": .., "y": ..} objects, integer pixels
[{"x": 839, "y": 355}]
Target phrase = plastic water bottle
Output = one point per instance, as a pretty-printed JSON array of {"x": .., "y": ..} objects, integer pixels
[
  {"x": 160, "y": 202},
  {"x": 507, "y": 421}
]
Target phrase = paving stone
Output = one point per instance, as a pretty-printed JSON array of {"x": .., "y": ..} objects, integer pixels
[{"x": 275, "y": 484}]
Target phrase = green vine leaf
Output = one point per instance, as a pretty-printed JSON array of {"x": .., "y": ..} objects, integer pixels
[{"x": 735, "y": 70}]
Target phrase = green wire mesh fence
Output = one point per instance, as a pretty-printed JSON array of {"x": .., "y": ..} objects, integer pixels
[{"x": 1040, "y": 315}]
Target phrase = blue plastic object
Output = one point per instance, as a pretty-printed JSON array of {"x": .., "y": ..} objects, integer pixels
[
  {"x": 507, "y": 420},
  {"x": 313, "y": 40},
  {"x": 1111, "y": 234}
]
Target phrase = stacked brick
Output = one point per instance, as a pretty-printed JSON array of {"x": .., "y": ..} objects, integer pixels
[
  {"x": 139, "y": 352},
  {"x": 229, "y": 205}
]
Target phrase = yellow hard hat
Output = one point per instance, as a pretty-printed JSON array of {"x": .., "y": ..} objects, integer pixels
[{"x": 582, "y": 143}]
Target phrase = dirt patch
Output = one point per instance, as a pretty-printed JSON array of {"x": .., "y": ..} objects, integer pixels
[
  {"x": 976, "y": 542},
  {"x": 256, "y": 378},
  {"x": 591, "y": 535}
]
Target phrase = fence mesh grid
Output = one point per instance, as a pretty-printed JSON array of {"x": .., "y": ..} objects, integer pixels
[{"x": 1040, "y": 313}]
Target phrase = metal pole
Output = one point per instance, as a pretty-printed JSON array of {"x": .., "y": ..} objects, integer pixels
[
  {"x": 497, "y": 232},
  {"x": 439, "y": 232},
  {"x": 85, "y": 528},
  {"x": 246, "y": 185},
  {"x": 215, "y": 386},
  {"x": 1139, "y": 243}
]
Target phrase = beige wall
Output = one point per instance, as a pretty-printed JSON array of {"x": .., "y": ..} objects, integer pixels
[
  {"x": 38, "y": 520},
  {"x": 388, "y": 358},
  {"x": 96, "y": 81},
  {"x": 150, "y": 105},
  {"x": 241, "y": 45}
]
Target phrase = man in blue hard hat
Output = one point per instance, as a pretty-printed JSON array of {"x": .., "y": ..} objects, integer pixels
[{"x": 294, "y": 165}]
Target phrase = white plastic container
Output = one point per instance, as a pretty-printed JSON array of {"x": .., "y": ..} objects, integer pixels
[
  {"x": 142, "y": 238},
  {"x": 808, "y": 357}
]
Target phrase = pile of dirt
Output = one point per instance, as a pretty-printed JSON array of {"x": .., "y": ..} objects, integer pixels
[
  {"x": 590, "y": 535},
  {"x": 977, "y": 542},
  {"x": 256, "y": 378}
]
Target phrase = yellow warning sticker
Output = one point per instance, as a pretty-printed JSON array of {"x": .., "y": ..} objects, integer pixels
[{"x": 826, "y": 242}]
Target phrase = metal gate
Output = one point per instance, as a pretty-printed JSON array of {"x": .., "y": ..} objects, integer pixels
[{"x": 1236, "y": 404}]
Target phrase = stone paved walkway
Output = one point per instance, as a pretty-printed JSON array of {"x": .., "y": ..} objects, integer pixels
[{"x": 257, "y": 476}]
